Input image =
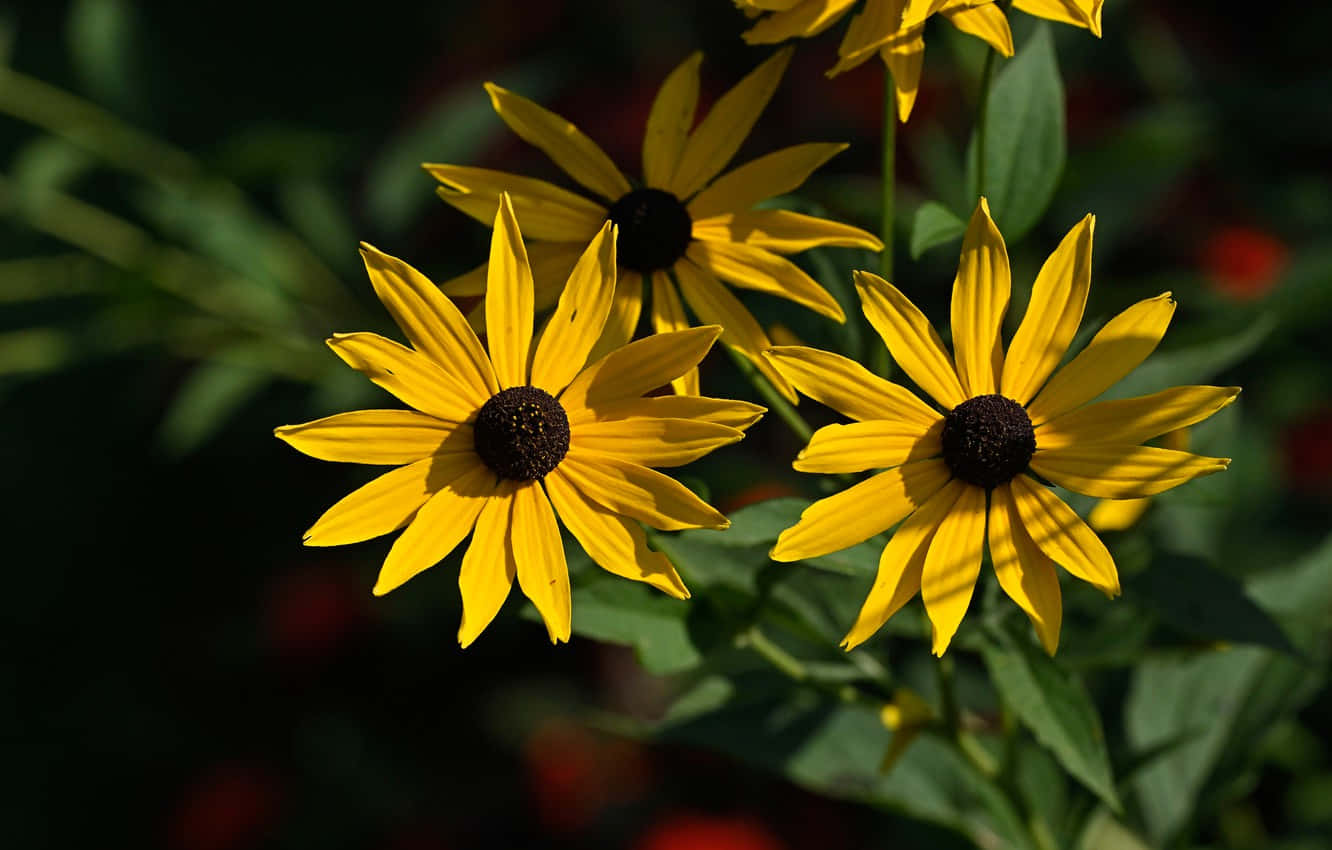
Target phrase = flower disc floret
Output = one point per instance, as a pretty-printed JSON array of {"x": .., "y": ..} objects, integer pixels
[
  {"x": 655, "y": 229},
  {"x": 987, "y": 440},
  {"x": 522, "y": 433}
]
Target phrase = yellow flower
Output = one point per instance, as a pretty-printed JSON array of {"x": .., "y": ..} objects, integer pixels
[
  {"x": 894, "y": 29},
  {"x": 1122, "y": 514},
  {"x": 681, "y": 220},
  {"x": 1007, "y": 418},
  {"x": 493, "y": 442}
]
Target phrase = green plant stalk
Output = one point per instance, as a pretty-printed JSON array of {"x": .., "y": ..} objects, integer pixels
[
  {"x": 888, "y": 189},
  {"x": 983, "y": 108},
  {"x": 776, "y": 402},
  {"x": 754, "y": 638}
]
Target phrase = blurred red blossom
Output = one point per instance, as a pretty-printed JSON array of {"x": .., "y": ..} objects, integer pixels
[
  {"x": 1243, "y": 262},
  {"x": 232, "y": 805},
  {"x": 689, "y": 831},
  {"x": 309, "y": 611},
  {"x": 576, "y": 773},
  {"x": 1307, "y": 451}
]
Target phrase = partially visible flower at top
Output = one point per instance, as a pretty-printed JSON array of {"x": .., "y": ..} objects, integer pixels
[
  {"x": 1123, "y": 514},
  {"x": 681, "y": 221},
  {"x": 494, "y": 441},
  {"x": 1007, "y": 418},
  {"x": 893, "y": 29},
  {"x": 1243, "y": 263}
]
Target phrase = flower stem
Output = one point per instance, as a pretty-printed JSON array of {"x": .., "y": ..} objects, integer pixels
[
  {"x": 775, "y": 400},
  {"x": 889, "y": 177},
  {"x": 983, "y": 109},
  {"x": 754, "y": 638}
]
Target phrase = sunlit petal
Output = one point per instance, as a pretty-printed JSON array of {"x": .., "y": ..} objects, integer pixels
[
  {"x": 579, "y": 317},
  {"x": 538, "y": 554},
  {"x": 1024, "y": 571},
  {"x": 757, "y": 180},
  {"x": 544, "y": 210},
  {"x": 952, "y": 566},
  {"x": 910, "y": 338},
  {"x": 642, "y": 365},
  {"x": 1063, "y": 536},
  {"x": 509, "y": 307},
  {"x": 669, "y": 121},
  {"x": 376, "y": 437},
  {"x": 980, "y": 301},
  {"x": 1122, "y": 472},
  {"x": 636, "y": 491},
  {"x": 754, "y": 268},
  {"x": 488, "y": 567},
  {"x": 877, "y": 444},
  {"x": 1130, "y": 421},
  {"x": 849, "y": 388}
]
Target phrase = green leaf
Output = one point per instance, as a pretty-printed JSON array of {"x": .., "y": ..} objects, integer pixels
[
  {"x": 1024, "y": 137},
  {"x": 209, "y": 398},
  {"x": 1055, "y": 706},
  {"x": 934, "y": 224},
  {"x": 757, "y": 524}
]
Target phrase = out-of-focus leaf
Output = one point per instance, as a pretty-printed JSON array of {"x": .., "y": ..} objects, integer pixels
[
  {"x": 757, "y": 524},
  {"x": 46, "y": 163},
  {"x": 102, "y": 43},
  {"x": 36, "y": 278},
  {"x": 317, "y": 214},
  {"x": 34, "y": 350},
  {"x": 204, "y": 405},
  {"x": 1103, "y": 832},
  {"x": 1024, "y": 137},
  {"x": 934, "y": 224},
  {"x": 1055, "y": 706},
  {"x": 1205, "y": 602}
]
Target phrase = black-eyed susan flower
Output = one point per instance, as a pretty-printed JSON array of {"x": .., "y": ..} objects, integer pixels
[
  {"x": 683, "y": 221},
  {"x": 892, "y": 29},
  {"x": 1004, "y": 423},
  {"x": 500, "y": 445}
]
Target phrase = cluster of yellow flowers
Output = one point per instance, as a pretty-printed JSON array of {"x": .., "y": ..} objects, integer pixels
[{"x": 558, "y": 420}]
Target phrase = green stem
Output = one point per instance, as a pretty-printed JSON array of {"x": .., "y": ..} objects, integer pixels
[
  {"x": 889, "y": 177},
  {"x": 776, "y": 402},
  {"x": 983, "y": 109},
  {"x": 753, "y": 638}
]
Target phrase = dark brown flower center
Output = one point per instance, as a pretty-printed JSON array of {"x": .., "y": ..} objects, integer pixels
[
  {"x": 987, "y": 440},
  {"x": 654, "y": 229},
  {"x": 522, "y": 433}
]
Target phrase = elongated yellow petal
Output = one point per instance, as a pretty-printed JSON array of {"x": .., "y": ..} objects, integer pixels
[
  {"x": 902, "y": 564},
  {"x": 1063, "y": 536},
  {"x": 431, "y": 322},
  {"x": 877, "y": 444},
  {"x": 1117, "y": 514},
  {"x": 801, "y": 21},
  {"x": 623, "y": 319},
  {"x": 654, "y": 442},
  {"x": 986, "y": 21},
  {"x": 1079, "y": 13},
  {"x": 910, "y": 338},
  {"x": 441, "y": 523},
  {"x": 643, "y": 365},
  {"x": 782, "y": 231},
  {"x": 714, "y": 304},
  {"x": 1122, "y": 472},
  {"x": 905, "y": 59},
  {"x": 980, "y": 301},
  {"x": 757, "y": 180},
  {"x": 669, "y": 121},
  {"x": 376, "y": 437},
  {"x": 849, "y": 388},
  {"x": 916, "y": 12},
  {"x": 1116, "y": 350},
  {"x": 544, "y": 210},
  {"x": 719, "y": 135},
  {"x": 383, "y": 505},
  {"x": 1024, "y": 571},
  {"x": 488, "y": 567},
  {"x": 509, "y": 308},
  {"x": 762, "y": 271},
  {"x": 565, "y": 144},
  {"x": 952, "y": 566},
  {"x": 843, "y": 519},
  {"x": 877, "y": 22},
  {"x": 552, "y": 263},
  {"x": 1130, "y": 421},
  {"x": 409, "y": 375},
  {"x": 1058, "y": 299},
  {"x": 538, "y": 553},
  {"x": 579, "y": 317},
  {"x": 636, "y": 491},
  {"x": 668, "y": 316},
  {"x": 733, "y": 414},
  {"x": 616, "y": 544}
]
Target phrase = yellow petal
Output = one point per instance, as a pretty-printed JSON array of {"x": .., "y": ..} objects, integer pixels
[
  {"x": 782, "y": 231},
  {"x": 1024, "y": 571},
  {"x": 565, "y": 144},
  {"x": 538, "y": 553},
  {"x": 733, "y": 414},
  {"x": 901, "y": 565},
  {"x": 877, "y": 444},
  {"x": 544, "y": 210},
  {"x": 376, "y": 436},
  {"x": 1079, "y": 13},
  {"x": 552, "y": 263},
  {"x": 643, "y": 365},
  {"x": 488, "y": 567},
  {"x": 409, "y": 375},
  {"x": 431, "y": 322},
  {"x": 986, "y": 21},
  {"x": 719, "y": 135},
  {"x": 980, "y": 301},
  {"x": 714, "y": 304},
  {"x": 636, "y": 491},
  {"x": 877, "y": 22},
  {"x": 509, "y": 308},
  {"x": 616, "y": 544},
  {"x": 762, "y": 271},
  {"x": 669, "y": 121},
  {"x": 383, "y": 505},
  {"x": 1122, "y": 472},
  {"x": 849, "y": 388},
  {"x": 579, "y": 317},
  {"x": 1130, "y": 421},
  {"x": 801, "y": 21},
  {"x": 1117, "y": 514},
  {"x": 1058, "y": 299},
  {"x": 757, "y": 180},
  {"x": 845, "y": 519},
  {"x": 654, "y": 442},
  {"x": 441, "y": 523},
  {"x": 904, "y": 58},
  {"x": 910, "y": 338},
  {"x": 668, "y": 315},
  {"x": 1116, "y": 350},
  {"x": 915, "y": 12},
  {"x": 952, "y": 566},
  {"x": 623, "y": 319},
  {"x": 1063, "y": 536}
]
